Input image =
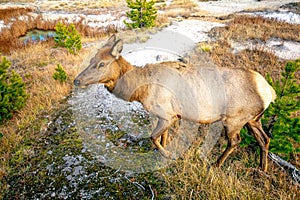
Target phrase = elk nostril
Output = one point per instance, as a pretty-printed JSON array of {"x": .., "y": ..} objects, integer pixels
[{"x": 76, "y": 82}]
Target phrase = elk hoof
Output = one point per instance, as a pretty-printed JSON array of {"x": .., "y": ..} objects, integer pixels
[{"x": 167, "y": 154}]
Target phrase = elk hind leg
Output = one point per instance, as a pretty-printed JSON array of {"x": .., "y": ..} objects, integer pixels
[
  {"x": 161, "y": 130},
  {"x": 255, "y": 127},
  {"x": 233, "y": 137}
]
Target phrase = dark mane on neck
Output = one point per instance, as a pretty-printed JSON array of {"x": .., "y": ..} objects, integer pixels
[
  {"x": 122, "y": 68},
  {"x": 125, "y": 65}
]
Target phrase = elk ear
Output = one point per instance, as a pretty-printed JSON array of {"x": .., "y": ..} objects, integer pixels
[
  {"x": 111, "y": 40},
  {"x": 117, "y": 49}
]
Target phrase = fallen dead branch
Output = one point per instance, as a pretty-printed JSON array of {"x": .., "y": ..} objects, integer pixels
[{"x": 287, "y": 167}]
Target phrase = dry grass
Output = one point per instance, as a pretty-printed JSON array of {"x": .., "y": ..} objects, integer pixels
[
  {"x": 244, "y": 27},
  {"x": 182, "y": 4},
  {"x": 221, "y": 54},
  {"x": 17, "y": 1},
  {"x": 80, "y": 6},
  {"x": 178, "y": 12},
  {"x": 261, "y": 60},
  {"x": 178, "y": 8},
  {"x": 162, "y": 20},
  {"x": 36, "y": 64},
  {"x": 6, "y": 13},
  {"x": 189, "y": 178},
  {"x": 19, "y": 27}
]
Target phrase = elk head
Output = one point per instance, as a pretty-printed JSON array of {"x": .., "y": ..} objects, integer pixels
[{"x": 103, "y": 67}]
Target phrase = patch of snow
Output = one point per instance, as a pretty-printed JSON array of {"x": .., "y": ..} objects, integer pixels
[
  {"x": 170, "y": 44},
  {"x": 94, "y": 21},
  {"x": 289, "y": 50},
  {"x": 2, "y": 25},
  {"x": 288, "y": 17},
  {"x": 285, "y": 49},
  {"x": 101, "y": 24},
  {"x": 226, "y": 7},
  {"x": 223, "y": 7},
  {"x": 23, "y": 18},
  {"x": 194, "y": 29},
  {"x": 168, "y": 2},
  {"x": 70, "y": 17},
  {"x": 144, "y": 56},
  {"x": 101, "y": 18}
]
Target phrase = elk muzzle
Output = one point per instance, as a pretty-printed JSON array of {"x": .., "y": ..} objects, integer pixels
[{"x": 77, "y": 82}]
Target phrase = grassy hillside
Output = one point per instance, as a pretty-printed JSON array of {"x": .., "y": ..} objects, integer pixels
[{"x": 189, "y": 177}]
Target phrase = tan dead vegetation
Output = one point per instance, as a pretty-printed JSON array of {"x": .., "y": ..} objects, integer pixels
[
  {"x": 36, "y": 64},
  {"x": 9, "y": 36},
  {"x": 86, "y": 6},
  {"x": 22, "y": 20},
  {"x": 18, "y": 27},
  {"x": 246, "y": 27},
  {"x": 17, "y": 1},
  {"x": 162, "y": 20},
  {"x": 178, "y": 12},
  {"x": 177, "y": 8},
  {"x": 192, "y": 178},
  {"x": 182, "y": 4},
  {"x": 6, "y": 13},
  {"x": 261, "y": 60},
  {"x": 222, "y": 54}
]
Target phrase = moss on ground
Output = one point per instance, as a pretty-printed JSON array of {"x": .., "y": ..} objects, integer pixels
[{"x": 56, "y": 165}]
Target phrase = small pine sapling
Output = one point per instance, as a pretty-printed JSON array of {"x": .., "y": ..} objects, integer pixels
[
  {"x": 68, "y": 37},
  {"x": 282, "y": 119},
  {"x": 12, "y": 91},
  {"x": 60, "y": 74},
  {"x": 142, "y": 13}
]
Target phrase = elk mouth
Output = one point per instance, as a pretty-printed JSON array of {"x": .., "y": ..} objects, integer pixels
[
  {"x": 79, "y": 84},
  {"x": 85, "y": 81}
]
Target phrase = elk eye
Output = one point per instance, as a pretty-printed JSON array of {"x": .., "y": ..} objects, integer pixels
[{"x": 101, "y": 64}]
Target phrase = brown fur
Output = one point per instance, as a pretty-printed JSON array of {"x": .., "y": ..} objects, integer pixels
[
  {"x": 173, "y": 90},
  {"x": 140, "y": 94}
]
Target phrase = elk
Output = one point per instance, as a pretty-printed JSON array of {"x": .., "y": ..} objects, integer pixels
[{"x": 173, "y": 90}]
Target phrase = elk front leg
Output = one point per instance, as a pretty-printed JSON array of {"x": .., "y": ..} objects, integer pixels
[
  {"x": 161, "y": 130},
  {"x": 164, "y": 138}
]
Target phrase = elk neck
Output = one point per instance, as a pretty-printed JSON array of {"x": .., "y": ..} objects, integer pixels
[{"x": 122, "y": 67}]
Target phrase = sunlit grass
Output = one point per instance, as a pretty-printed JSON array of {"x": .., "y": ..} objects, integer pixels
[
  {"x": 36, "y": 64},
  {"x": 188, "y": 178},
  {"x": 86, "y": 5},
  {"x": 246, "y": 27},
  {"x": 183, "y": 4},
  {"x": 21, "y": 21},
  {"x": 18, "y": 1},
  {"x": 192, "y": 178}
]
